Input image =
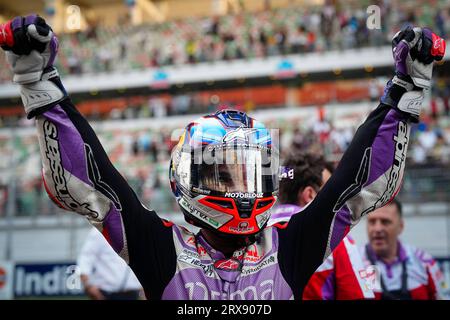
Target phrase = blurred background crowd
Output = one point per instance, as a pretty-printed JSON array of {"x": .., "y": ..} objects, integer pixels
[
  {"x": 335, "y": 25},
  {"x": 142, "y": 155}
]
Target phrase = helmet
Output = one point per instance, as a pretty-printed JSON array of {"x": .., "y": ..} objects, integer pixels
[{"x": 224, "y": 173}]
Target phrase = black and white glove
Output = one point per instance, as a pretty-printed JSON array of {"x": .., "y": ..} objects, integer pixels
[
  {"x": 414, "y": 51},
  {"x": 31, "y": 47}
]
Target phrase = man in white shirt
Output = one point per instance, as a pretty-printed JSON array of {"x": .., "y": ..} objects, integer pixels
[{"x": 104, "y": 274}]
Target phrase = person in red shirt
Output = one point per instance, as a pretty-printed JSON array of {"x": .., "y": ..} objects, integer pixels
[
  {"x": 404, "y": 272},
  {"x": 340, "y": 275}
]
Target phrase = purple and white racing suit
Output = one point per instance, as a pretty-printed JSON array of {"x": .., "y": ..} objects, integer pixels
[{"x": 173, "y": 263}]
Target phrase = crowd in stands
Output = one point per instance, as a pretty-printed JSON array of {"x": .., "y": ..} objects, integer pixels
[
  {"x": 142, "y": 155},
  {"x": 246, "y": 35}
]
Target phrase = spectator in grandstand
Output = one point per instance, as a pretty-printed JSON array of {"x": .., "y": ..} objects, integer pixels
[
  {"x": 405, "y": 272},
  {"x": 338, "y": 278},
  {"x": 105, "y": 276}
]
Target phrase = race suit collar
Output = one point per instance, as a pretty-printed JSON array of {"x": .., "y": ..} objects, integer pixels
[
  {"x": 213, "y": 253},
  {"x": 216, "y": 254},
  {"x": 228, "y": 269}
]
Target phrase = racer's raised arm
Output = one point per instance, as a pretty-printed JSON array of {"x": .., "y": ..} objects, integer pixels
[
  {"x": 77, "y": 173},
  {"x": 371, "y": 170}
]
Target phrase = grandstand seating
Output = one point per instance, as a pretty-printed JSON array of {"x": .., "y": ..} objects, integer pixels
[{"x": 140, "y": 149}]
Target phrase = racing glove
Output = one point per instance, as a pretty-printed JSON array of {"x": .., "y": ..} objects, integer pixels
[
  {"x": 31, "y": 47},
  {"x": 414, "y": 51}
]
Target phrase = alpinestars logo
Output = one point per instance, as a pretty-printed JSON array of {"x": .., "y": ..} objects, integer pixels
[
  {"x": 228, "y": 265},
  {"x": 361, "y": 179},
  {"x": 96, "y": 179},
  {"x": 401, "y": 145},
  {"x": 239, "y": 134},
  {"x": 59, "y": 180}
]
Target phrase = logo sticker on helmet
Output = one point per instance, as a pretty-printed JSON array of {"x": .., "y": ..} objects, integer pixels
[
  {"x": 201, "y": 191},
  {"x": 262, "y": 218},
  {"x": 243, "y": 227},
  {"x": 240, "y": 133}
]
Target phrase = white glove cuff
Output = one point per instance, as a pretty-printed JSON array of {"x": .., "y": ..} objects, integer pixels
[
  {"x": 27, "y": 77},
  {"x": 41, "y": 93},
  {"x": 421, "y": 83},
  {"x": 411, "y": 102}
]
